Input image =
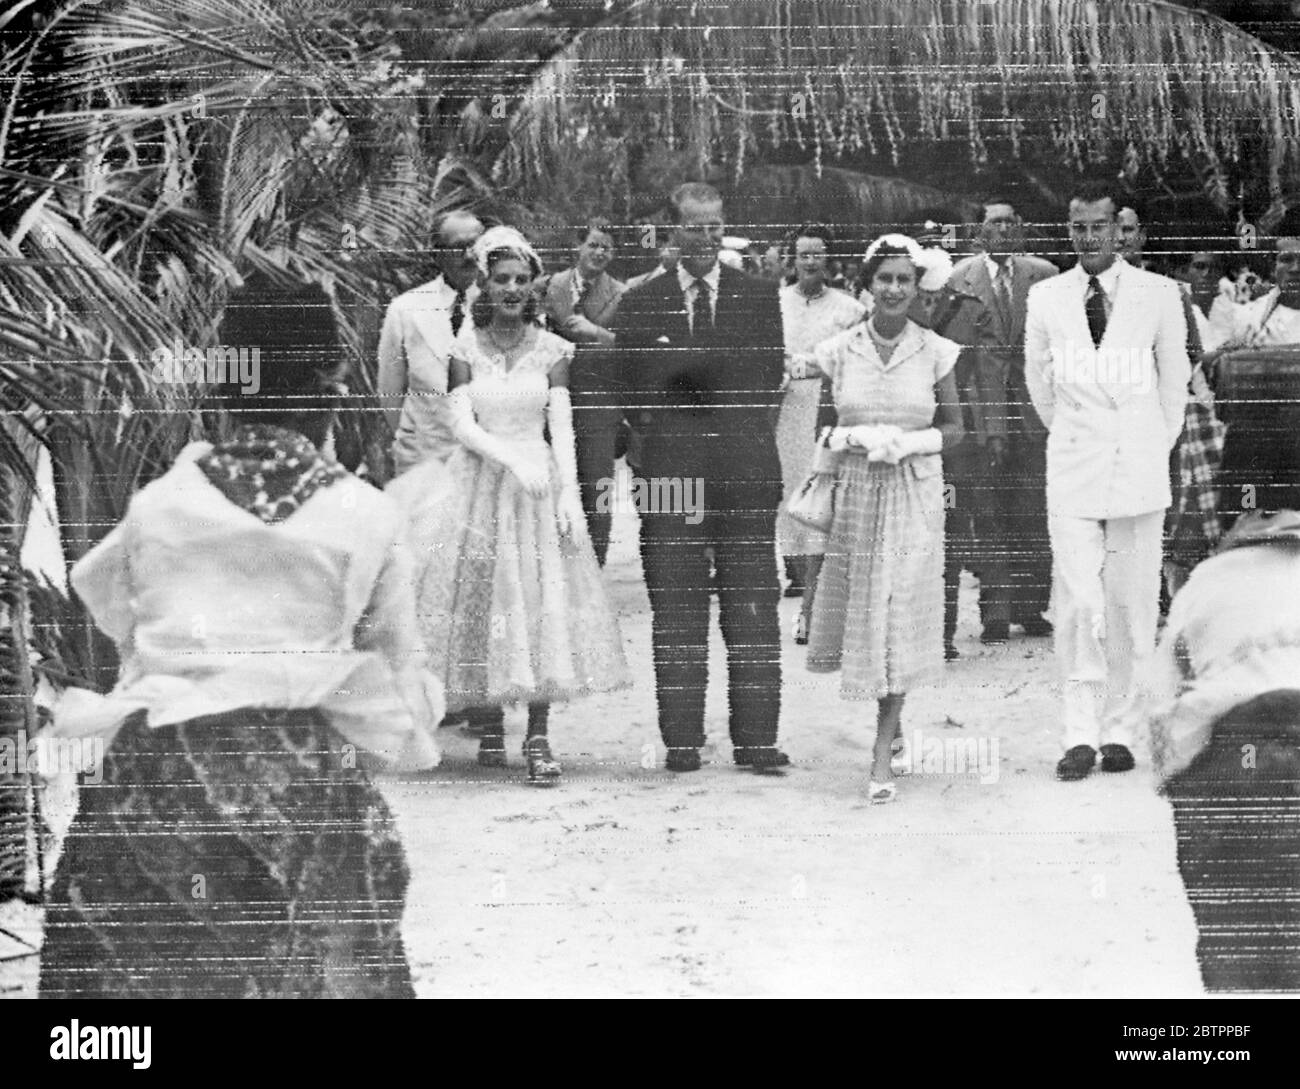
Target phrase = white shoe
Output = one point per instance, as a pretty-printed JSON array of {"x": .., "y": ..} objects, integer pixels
[{"x": 882, "y": 793}]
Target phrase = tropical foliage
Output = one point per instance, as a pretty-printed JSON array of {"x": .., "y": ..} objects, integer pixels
[
  {"x": 1169, "y": 96},
  {"x": 152, "y": 156}
]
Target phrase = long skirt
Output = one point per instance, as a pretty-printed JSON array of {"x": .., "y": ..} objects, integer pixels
[
  {"x": 878, "y": 613},
  {"x": 241, "y": 855},
  {"x": 512, "y": 611}
]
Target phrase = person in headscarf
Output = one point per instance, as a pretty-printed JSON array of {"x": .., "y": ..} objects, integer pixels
[
  {"x": 257, "y": 593},
  {"x": 1225, "y": 717}
]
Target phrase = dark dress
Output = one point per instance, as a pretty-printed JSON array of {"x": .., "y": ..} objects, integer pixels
[{"x": 262, "y": 870}]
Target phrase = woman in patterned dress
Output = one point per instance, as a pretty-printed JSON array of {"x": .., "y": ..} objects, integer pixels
[
  {"x": 508, "y": 590},
  {"x": 257, "y": 592},
  {"x": 878, "y": 613},
  {"x": 811, "y": 311}
]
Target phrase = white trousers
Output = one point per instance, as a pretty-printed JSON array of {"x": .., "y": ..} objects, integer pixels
[{"x": 1105, "y": 605}]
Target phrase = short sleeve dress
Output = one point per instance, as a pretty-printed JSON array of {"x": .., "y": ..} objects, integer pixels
[
  {"x": 511, "y": 610},
  {"x": 878, "y": 613}
]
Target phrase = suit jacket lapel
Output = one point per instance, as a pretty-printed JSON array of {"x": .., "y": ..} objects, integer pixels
[
  {"x": 982, "y": 285},
  {"x": 598, "y": 300},
  {"x": 1074, "y": 313},
  {"x": 1019, "y": 295},
  {"x": 674, "y": 305},
  {"x": 433, "y": 320}
]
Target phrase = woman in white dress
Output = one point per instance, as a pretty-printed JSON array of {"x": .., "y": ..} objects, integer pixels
[
  {"x": 508, "y": 592},
  {"x": 811, "y": 311}
]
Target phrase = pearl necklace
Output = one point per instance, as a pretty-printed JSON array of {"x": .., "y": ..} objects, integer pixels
[
  {"x": 880, "y": 338},
  {"x": 504, "y": 350}
]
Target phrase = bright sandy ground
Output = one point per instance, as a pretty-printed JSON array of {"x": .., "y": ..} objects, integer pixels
[{"x": 633, "y": 881}]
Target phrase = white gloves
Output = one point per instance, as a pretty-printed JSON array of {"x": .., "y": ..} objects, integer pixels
[
  {"x": 568, "y": 512},
  {"x": 559, "y": 420},
  {"x": 887, "y": 443},
  {"x": 869, "y": 437},
  {"x": 534, "y": 478},
  {"x": 908, "y": 443}
]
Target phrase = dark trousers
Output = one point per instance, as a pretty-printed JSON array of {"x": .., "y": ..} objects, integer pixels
[
  {"x": 1014, "y": 552},
  {"x": 967, "y": 484},
  {"x": 958, "y": 551},
  {"x": 596, "y": 433},
  {"x": 1237, "y": 820},
  {"x": 678, "y": 559}
]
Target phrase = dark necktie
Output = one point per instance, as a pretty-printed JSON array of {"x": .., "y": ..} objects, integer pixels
[
  {"x": 702, "y": 313},
  {"x": 458, "y": 313},
  {"x": 580, "y": 303},
  {"x": 1002, "y": 288},
  {"x": 1094, "y": 307}
]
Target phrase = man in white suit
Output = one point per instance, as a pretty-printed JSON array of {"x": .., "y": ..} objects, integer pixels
[
  {"x": 415, "y": 343},
  {"x": 1107, "y": 370}
]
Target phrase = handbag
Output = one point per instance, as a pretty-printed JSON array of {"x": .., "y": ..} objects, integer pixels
[{"x": 813, "y": 501}]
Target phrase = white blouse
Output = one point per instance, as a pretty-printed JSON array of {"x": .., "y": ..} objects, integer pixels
[{"x": 212, "y": 610}]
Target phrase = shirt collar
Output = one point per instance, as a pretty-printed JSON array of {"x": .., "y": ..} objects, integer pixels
[
  {"x": 994, "y": 268},
  {"x": 1109, "y": 279},
  {"x": 447, "y": 293},
  {"x": 711, "y": 278}
]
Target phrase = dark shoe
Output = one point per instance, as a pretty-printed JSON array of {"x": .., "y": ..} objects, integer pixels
[
  {"x": 995, "y": 633},
  {"x": 950, "y": 653},
  {"x": 1076, "y": 764},
  {"x": 1036, "y": 627},
  {"x": 1116, "y": 758},
  {"x": 762, "y": 758},
  {"x": 492, "y": 751},
  {"x": 683, "y": 760},
  {"x": 543, "y": 768}
]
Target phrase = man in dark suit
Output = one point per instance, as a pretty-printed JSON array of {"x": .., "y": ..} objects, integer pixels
[
  {"x": 580, "y": 303},
  {"x": 1015, "y": 558},
  {"x": 699, "y": 364},
  {"x": 959, "y": 317}
]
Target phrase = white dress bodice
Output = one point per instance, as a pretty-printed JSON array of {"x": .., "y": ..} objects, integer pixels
[{"x": 510, "y": 403}]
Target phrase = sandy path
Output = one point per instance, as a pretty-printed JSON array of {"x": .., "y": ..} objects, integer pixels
[
  {"x": 627, "y": 880},
  {"x": 633, "y": 881}
]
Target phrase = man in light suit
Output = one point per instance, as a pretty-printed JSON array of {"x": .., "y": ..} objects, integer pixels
[
  {"x": 1107, "y": 369},
  {"x": 415, "y": 343},
  {"x": 580, "y": 303},
  {"x": 1010, "y": 508},
  {"x": 700, "y": 363}
]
